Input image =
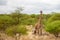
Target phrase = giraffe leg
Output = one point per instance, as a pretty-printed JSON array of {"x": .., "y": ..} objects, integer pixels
[{"x": 34, "y": 31}]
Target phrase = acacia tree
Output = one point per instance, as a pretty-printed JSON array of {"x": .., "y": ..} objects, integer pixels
[{"x": 17, "y": 14}]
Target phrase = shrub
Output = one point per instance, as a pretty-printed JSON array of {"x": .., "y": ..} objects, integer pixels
[{"x": 53, "y": 27}]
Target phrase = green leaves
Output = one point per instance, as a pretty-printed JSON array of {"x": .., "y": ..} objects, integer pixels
[
  {"x": 53, "y": 24},
  {"x": 21, "y": 29},
  {"x": 54, "y": 18},
  {"x": 53, "y": 27}
]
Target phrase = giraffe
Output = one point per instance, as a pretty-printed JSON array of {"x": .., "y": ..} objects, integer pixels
[{"x": 38, "y": 25}]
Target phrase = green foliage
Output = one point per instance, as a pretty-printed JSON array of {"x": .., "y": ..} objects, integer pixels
[
  {"x": 53, "y": 24},
  {"x": 21, "y": 29},
  {"x": 54, "y": 17},
  {"x": 53, "y": 27},
  {"x": 34, "y": 16},
  {"x": 10, "y": 31},
  {"x": 5, "y": 21}
]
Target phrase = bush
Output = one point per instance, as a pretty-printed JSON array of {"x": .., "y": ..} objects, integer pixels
[
  {"x": 54, "y": 18},
  {"x": 16, "y": 29},
  {"x": 53, "y": 27}
]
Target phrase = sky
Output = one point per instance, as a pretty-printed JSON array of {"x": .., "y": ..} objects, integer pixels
[{"x": 30, "y": 6}]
